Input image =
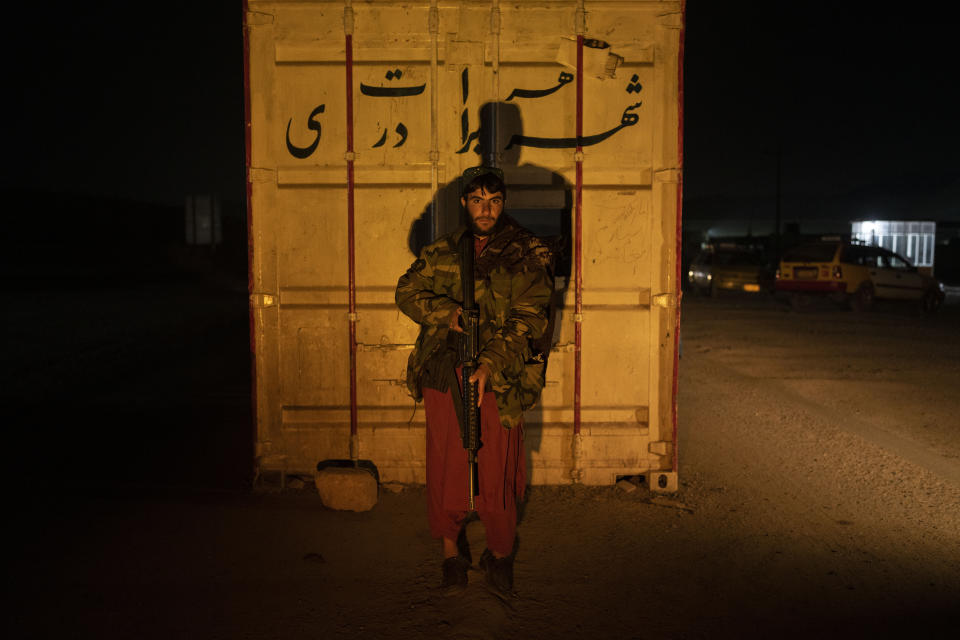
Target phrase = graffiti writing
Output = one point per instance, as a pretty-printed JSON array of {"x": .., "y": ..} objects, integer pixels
[
  {"x": 313, "y": 124},
  {"x": 466, "y": 136},
  {"x": 391, "y": 92},
  {"x": 628, "y": 119},
  {"x": 401, "y": 131},
  {"x": 565, "y": 78}
]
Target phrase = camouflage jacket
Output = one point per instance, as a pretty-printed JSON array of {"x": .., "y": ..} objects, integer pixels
[{"x": 513, "y": 287}]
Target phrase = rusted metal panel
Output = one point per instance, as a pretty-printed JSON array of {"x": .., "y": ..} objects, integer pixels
[{"x": 436, "y": 87}]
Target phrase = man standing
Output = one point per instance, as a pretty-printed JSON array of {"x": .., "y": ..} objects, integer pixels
[{"x": 513, "y": 286}]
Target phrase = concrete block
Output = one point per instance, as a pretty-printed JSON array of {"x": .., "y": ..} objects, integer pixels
[{"x": 346, "y": 489}]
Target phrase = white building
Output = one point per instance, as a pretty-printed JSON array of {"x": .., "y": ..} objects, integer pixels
[{"x": 911, "y": 239}]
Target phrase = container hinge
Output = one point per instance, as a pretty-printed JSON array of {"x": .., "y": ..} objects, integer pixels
[
  {"x": 660, "y": 447},
  {"x": 671, "y": 20},
  {"x": 258, "y": 18},
  {"x": 259, "y": 175},
  {"x": 668, "y": 176},
  {"x": 665, "y": 300},
  {"x": 262, "y": 300}
]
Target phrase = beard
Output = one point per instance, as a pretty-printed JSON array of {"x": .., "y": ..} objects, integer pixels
[{"x": 482, "y": 233}]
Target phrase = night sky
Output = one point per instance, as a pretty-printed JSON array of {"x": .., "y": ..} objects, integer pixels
[
  {"x": 122, "y": 101},
  {"x": 862, "y": 102}
]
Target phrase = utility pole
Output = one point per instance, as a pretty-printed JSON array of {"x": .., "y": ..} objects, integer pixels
[{"x": 776, "y": 223}]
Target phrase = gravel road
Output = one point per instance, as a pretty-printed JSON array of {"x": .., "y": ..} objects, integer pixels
[{"x": 820, "y": 497}]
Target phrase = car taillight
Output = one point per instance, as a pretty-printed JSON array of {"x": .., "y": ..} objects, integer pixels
[
  {"x": 837, "y": 273},
  {"x": 777, "y": 275}
]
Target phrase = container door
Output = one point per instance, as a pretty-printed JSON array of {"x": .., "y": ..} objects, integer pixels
[{"x": 436, "y": 88}]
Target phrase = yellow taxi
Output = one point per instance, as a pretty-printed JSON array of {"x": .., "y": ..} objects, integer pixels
[
  {"x": 729, "y": 267},
  {"x": 855, "y": 274}
]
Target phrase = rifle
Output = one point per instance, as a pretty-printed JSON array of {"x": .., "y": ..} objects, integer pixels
[{"x": 469, "y": 350}]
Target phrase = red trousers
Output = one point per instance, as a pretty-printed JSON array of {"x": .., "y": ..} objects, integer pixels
[{"x": 501, "y": 467}]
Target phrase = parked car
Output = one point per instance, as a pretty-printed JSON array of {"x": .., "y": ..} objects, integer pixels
[
  {"x": 718, "y": 269},
  {"x": 854, "y": 274}
]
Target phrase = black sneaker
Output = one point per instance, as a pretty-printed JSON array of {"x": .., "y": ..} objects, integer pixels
[
  {"x": 499, "y": 571},
  {"x": 455, "y": 574}
]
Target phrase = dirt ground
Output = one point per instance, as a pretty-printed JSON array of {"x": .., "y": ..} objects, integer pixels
[{"x": 820, "y": 497}]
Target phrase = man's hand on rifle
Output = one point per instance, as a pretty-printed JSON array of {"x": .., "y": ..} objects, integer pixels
[
  {"x": 480, "y": 377},
  {"x": 483, "y": 371},
  {"x": 455, "y": 320}
]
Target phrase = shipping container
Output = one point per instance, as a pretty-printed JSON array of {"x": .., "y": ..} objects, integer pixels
[{"x": 361, "y": 117}]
